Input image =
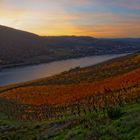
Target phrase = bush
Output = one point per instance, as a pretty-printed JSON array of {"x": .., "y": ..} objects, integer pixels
[{"x": 114, "y": 112}]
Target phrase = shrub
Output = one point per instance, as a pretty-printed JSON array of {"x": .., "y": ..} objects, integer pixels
[{"x": 114, "y": 112}]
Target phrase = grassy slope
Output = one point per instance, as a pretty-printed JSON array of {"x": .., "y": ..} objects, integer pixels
[{"x": 90, "y": 127}]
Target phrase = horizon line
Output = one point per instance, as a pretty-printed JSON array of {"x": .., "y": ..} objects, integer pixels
[{"x": 72, "y": 35}]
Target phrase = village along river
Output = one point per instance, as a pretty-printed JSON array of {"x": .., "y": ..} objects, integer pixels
[{"x": 32, "y": 72}]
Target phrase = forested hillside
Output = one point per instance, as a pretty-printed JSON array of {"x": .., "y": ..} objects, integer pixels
[{"x": 22, "y": 48}]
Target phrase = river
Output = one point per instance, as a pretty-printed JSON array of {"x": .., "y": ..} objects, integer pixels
[{"x": 27, "y": 73}]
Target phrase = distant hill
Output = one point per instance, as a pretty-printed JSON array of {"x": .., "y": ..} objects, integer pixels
[
  {"x": 21, "y": 48},
  {"x": 16, "y": 45}
]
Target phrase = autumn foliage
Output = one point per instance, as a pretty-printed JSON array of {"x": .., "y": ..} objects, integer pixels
[
  {"x": 68, "y": 94},
  {"x": 58, "y": 96}
]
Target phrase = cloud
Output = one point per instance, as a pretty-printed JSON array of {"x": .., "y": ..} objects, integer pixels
[{"x": 131, "y": 4}]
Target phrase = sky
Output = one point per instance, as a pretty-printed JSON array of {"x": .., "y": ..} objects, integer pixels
[{"x": 97, "y": 18}]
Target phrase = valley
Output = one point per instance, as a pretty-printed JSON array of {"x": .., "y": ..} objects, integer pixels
[{"x": 70, "y": 70}]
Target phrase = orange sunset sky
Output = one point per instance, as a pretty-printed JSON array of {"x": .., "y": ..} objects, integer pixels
[{"x": 98, "y": 18}]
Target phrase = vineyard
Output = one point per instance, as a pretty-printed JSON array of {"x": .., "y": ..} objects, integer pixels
[
  {"x": 18, "y": 111},
  {"x": 48, "y": 100}
]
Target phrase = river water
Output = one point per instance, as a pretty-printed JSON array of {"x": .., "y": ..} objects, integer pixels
[{"x": 27, "y": 73}]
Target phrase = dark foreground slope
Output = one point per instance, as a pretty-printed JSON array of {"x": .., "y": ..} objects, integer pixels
[{"x": 22, "y": 48}]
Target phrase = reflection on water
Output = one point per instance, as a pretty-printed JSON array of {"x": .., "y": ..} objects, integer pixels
[{"x": 27, "y": 73}]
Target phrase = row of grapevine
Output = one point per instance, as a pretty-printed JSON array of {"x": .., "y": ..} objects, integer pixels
[{"x": 13, "y": 109}]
